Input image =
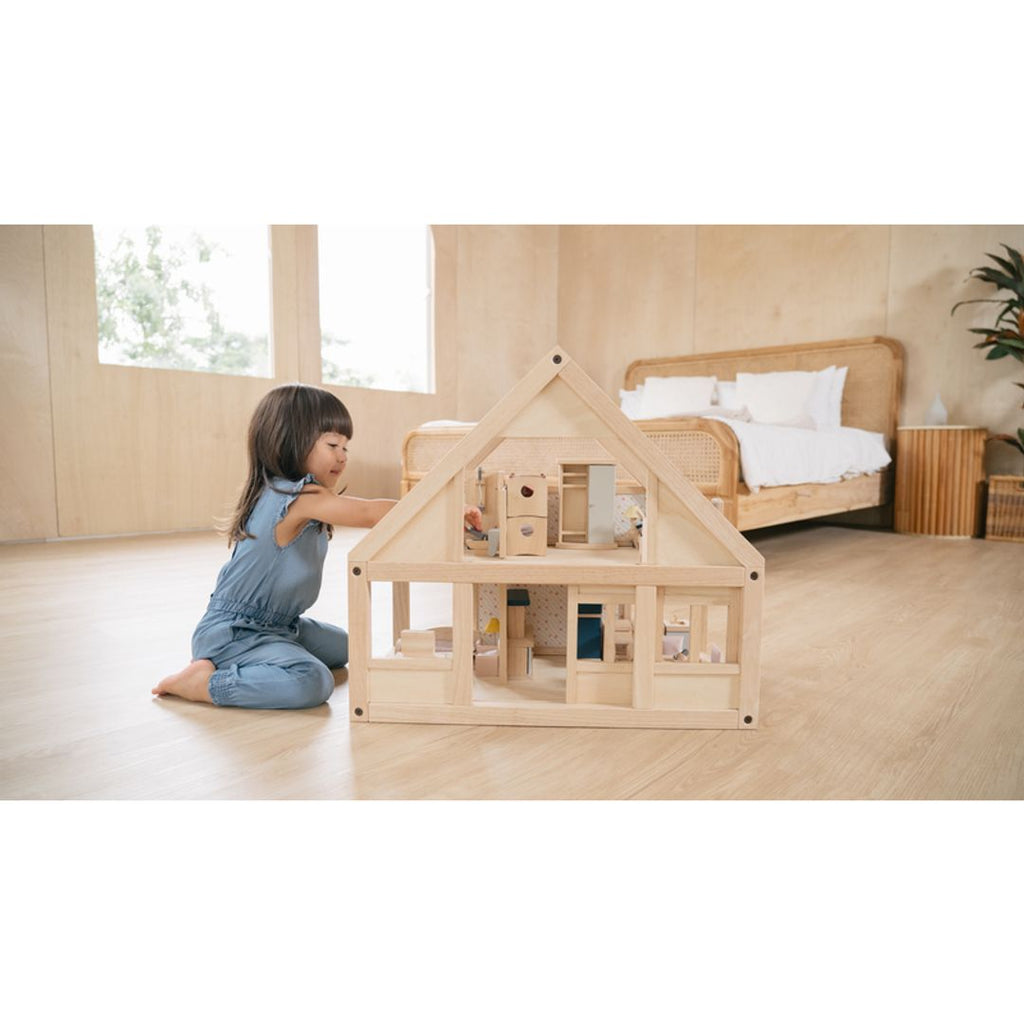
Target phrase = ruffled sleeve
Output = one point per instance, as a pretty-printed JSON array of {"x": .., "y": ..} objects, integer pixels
[{"x": 289, "y": 490}]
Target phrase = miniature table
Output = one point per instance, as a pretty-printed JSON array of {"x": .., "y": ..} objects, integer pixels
[{"x": 940, "y": 476}]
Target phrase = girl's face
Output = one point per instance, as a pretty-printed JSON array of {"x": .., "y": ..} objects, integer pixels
[{"x": 327, "y": 459}]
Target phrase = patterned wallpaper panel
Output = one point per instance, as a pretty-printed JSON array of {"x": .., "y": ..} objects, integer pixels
[{"x": 545, "y": 616}]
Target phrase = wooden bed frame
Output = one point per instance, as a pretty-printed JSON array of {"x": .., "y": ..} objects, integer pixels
[{"x": 707, "y": 451}]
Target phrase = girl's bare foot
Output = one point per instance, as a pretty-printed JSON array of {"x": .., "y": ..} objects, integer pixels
[{"x": 191, "y": 683}]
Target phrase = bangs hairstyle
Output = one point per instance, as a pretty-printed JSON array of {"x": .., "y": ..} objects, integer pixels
[{"x": 288, "y": 421}]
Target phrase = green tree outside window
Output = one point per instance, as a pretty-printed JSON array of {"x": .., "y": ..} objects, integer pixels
[{"x": 161, "y": 296}]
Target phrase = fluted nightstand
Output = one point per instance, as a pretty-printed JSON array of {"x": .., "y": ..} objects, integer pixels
[{"x": 940, "y": 476}]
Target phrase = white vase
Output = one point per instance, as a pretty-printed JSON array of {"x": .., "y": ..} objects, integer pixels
[{"x": 936, "y": 415}]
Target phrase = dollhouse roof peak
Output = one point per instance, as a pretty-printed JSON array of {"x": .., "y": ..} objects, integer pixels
[{"x": 556, "y": 398}]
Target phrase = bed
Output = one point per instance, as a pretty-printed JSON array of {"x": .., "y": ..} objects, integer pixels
[{"x": 707, "y": 446}]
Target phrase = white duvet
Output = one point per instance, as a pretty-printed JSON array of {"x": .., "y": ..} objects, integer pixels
[{"x": 772, "y": 456}]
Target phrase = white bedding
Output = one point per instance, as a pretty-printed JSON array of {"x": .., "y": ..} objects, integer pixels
[{"x": 771, "y": 456}]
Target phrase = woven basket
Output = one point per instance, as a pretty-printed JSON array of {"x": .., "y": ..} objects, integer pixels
[{"x": 1005, "y": 519}]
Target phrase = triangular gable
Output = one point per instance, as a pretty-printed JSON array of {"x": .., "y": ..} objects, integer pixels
[
  {"x": 664, "y": 471},
  {"x": 467, "y": 452},
  {"x": 557, "y": 398}
]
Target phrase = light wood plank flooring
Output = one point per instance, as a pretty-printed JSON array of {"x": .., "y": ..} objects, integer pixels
[{"x": 892, "y": 669}]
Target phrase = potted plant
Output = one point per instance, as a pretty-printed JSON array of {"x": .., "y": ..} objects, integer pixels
[{"x": 1004, "y": 338}]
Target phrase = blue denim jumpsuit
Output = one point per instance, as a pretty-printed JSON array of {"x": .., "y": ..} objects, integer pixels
[{"x": 266, "y": 655}]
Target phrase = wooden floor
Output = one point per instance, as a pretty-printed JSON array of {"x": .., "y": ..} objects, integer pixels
[{"x": 892, "y": 669}]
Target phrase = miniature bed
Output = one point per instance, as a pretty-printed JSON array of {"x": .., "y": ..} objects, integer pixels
[{"x": 708, "y": 450}]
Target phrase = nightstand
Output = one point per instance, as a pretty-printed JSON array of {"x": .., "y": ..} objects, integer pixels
[{"x": 940, "y": 476}]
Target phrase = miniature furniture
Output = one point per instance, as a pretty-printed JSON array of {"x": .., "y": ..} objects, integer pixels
[
  {"x": 619, "y": 638},
  {"x": 417, "y": 643},
  {"x": 586, "y": 502},
  {"x": 523, "y": 515},
  {"x": 707, "y": 450},
  {"x": 589, "y": 631},
  {"x": 690, "y": 557},
  {"x": 520, "y": 637},
  {"x": 677, "y": 639},
  {"x": 939, "y": 480}
]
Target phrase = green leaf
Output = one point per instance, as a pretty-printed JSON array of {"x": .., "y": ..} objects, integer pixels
[
  {"x": 1015, "y": 442},
  {"x": 1001, "y": 281},
  {"x": 1010, "y": 309},
  {"x": 1004, "y": 336},
  {"x": 1014, "y": 255},
  {"x": 968, "y": 302},
  {"x": 1005, "y": 264}
]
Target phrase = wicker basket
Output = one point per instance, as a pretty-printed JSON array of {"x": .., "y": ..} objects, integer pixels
[{"x": 1005, "y": 519}]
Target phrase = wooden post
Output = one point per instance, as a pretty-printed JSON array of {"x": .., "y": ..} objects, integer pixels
[
  {"x": 698, "y": 630},
  {"x": 646, "y": 639},
  {"x": 749, "y": 655},
  {"x": 462, "y": 642},
  {"x": 360, "y": 640},
  {"x": 399, "y": 609},
  {"x": 503, "y": 648},
  {"x": 572, "y": 615}
]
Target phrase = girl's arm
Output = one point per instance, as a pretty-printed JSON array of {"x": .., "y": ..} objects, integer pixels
[{"x": 316, "y": 502}]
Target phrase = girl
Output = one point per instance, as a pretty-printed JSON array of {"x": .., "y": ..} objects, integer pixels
[{"x": 253, "y": 648}]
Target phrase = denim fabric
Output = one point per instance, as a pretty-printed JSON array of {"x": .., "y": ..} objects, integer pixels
[
  {"x": 269, "y": 667},
  {"x": 266, "y": 654}
]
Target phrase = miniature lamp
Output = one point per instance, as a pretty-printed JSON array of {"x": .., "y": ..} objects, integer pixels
[{"x": 493, "y": 628}]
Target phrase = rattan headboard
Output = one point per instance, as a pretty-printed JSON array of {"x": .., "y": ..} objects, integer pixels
[{"x": 874, "y": 382}]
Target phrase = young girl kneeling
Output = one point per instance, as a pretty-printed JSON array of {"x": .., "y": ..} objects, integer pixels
[{"x": 253, "y": 648}]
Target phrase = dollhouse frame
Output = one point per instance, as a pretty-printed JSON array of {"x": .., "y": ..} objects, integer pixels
[{"x": 687, "y": 556}]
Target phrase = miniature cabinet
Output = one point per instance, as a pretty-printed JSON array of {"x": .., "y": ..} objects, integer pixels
[
  {"x": 586, "y": 505},
  {"x": 523, "y": 515}
]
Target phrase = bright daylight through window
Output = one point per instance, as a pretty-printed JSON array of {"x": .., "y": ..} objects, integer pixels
[
  {"x": 376, "y": 307},
  {"x": 184, "y": 298}
]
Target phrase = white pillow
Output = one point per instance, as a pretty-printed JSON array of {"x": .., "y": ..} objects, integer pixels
[
  {"x": 796, "y": 398},
  {"x": 675, "y": 396},
  {"x": 725, "y": 395},
  {"x": 629, "y": 402},
  {"x": 827, "y": 399},
  {"x": 820, "y": 403},
  {"x": 835, "y": 402}
]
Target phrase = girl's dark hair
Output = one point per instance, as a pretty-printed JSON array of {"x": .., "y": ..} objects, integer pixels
[{"x": 286, "y": 424}]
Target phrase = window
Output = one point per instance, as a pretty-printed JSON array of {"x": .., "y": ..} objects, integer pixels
[
  {"x": 195, "y": 298},
  {"x": 376, "y": 307}
]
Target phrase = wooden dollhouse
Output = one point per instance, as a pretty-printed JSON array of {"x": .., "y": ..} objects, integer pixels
[{"x": 554, "y": 620}]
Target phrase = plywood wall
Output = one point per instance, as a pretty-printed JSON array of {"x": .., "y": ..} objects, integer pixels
[
  {"x": 28, "y": 503},
  {"x": 506, "y": 309},
  {"x": 625, "y": 290},
  {"x": 103, "y": 449},
  {"x": 117, "y": 449},
  {"x": 929, "y": 275},
  {"x": 776, "y": 285},
  {"x": 637, "y": 292}
]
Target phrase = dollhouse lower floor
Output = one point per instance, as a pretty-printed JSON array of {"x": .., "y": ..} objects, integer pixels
[{"x": 542, "y": 654}]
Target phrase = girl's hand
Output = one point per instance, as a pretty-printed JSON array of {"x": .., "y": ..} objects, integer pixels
[{"x": 473, "y": 517}]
